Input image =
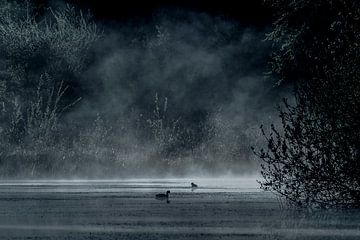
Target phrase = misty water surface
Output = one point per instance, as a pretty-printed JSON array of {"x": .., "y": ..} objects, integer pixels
[{"x": 226, "y": 208}]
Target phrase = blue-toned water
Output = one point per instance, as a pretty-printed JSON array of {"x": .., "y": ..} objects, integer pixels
[{"x": 221, "y": 208}]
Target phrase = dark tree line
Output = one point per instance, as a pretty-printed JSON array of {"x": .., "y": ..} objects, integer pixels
[{"x": 313, "y": 157}]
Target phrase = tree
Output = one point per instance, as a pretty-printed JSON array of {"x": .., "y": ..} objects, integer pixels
[
  {"x": 313, "y": 157},
  {"x": 42, "y": 56}
]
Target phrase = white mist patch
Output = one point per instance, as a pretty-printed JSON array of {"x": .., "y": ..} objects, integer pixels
[{"x": 205, "y": 185}]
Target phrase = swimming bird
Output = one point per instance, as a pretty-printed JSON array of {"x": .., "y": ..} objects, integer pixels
[
  {"x": 193, "y": 185},
  {"x": 162, "y": 196}
]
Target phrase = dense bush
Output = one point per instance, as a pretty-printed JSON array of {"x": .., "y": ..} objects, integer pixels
[{"x": 313, "y": 157}]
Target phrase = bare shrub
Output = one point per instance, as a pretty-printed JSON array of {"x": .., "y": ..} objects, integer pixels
[{"x": 40, "y": 56}]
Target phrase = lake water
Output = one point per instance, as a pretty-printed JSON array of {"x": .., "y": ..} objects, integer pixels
[{"x": 222, "y": 208}]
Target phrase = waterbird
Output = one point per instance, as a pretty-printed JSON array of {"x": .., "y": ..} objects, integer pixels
[
  {"x": 193, "y": 185},
  {"x": 162, "y": 196}
]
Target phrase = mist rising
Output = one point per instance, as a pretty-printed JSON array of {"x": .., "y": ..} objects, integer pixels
[{"x": 180, "y": 94}]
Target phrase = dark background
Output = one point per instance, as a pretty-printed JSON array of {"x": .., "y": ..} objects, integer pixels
[
  {"x": 202, "y": 96},
  {"x": 249, "y": 12},
  {"x": 123, "y": 18},
  {"x": 167, "y": 83}
]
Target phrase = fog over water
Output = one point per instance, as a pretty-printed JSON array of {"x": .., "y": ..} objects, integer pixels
[
  {"x": 137, "y": 123},
  {"x": 227, "y": 208},
  {"x": 204, "y": 74},
  {"x": 178, "y": 93}
]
